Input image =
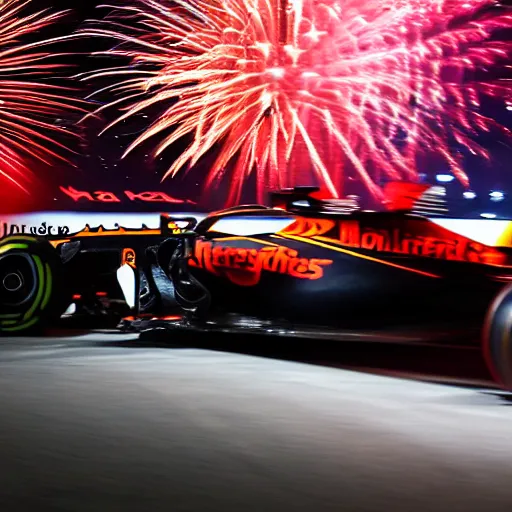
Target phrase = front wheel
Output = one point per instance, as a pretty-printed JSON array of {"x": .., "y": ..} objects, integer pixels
[
  {"x": 497, "y": 338},
  {"x": 29, "y": 284}
]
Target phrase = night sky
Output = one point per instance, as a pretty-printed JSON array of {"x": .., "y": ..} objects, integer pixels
[{"x": 98, "y": 166}]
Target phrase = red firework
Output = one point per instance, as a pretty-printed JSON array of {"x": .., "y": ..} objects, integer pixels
[
  {"x": 29, "y": 105},
  {"x": 287, "y": 87}
]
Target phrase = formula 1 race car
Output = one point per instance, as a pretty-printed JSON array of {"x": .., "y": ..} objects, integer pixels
[{"x": 304, "y": 267}]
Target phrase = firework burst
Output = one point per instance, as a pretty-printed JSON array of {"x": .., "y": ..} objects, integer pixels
[
  {"x": 29, "y": 105},
  {"x": 287, "y": 87}
]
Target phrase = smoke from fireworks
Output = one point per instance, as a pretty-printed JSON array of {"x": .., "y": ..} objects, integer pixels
[
  {"x": 29, "y": 106},
  {"x": 283, "y": 87}
]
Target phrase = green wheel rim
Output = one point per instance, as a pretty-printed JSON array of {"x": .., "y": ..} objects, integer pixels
[{"x": 15, "y": 322}]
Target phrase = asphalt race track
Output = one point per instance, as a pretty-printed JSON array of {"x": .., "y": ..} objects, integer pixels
[{"x": 102, "y": 422}]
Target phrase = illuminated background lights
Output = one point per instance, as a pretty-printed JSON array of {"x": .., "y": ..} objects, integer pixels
[
  {"x": 496, "y": 195},
  {"x": 445, "y": 178}
]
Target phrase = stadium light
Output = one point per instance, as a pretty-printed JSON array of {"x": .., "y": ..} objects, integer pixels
[
  {"x": 497, "y": 195},
  {"x": 445, "y": 178}
]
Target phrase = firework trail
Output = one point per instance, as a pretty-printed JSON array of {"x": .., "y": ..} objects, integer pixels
[
  {"x": 283, "y": 87},
  {"x": 29, "y": 106}
]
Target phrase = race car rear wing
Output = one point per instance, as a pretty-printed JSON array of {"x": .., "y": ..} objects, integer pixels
[
  {"x": 398, "y": 197},
  {"x": 403, "y": 196}
]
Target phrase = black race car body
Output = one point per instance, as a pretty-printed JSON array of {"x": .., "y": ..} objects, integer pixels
[
  {"x": 357, "y": 270},
  {"x": 304, "y": 267}
]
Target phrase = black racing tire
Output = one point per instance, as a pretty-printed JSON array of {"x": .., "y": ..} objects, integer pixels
[
  {"x": 497, "y": 338},
  {"x": 30, "y": 285}
]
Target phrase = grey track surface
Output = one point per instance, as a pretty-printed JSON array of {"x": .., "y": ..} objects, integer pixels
[{"x": 87, "y": 426}]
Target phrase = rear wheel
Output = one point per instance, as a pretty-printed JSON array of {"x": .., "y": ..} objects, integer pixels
[
  {"x": 30, "y": 284},
  {"x": 497, "y": 338}
]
